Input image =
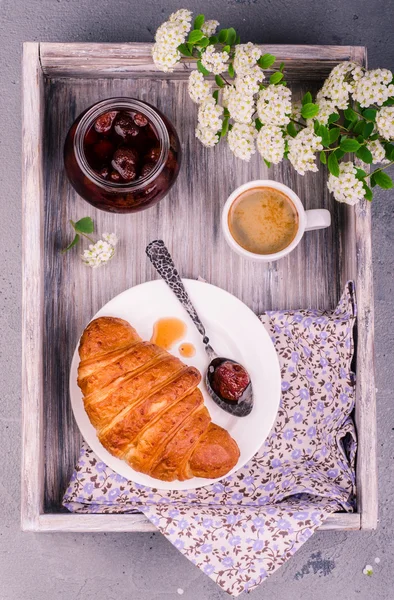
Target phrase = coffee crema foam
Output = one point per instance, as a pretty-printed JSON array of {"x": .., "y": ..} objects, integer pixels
[{"x": 263, "y": 220}]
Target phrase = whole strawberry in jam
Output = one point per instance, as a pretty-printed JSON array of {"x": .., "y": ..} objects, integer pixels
[{"x": 230, "y": 380}]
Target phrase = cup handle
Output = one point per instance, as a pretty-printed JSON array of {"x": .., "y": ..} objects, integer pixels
[{"x": 318, "y": 218}]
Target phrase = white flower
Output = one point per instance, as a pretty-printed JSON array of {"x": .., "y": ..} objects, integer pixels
[
  {"x": 346, "y": 187},
  {"x": 215, "y": 62},
  {"x": 199, "y": 89},
  {"x": 225, "y": 95},
  {"x": 209, "y": 27},
  {"x": 209, "y": 114},
  {"x": 245, "y": 57},
  {"x": 340, "y": 83},
  {"x": 248, "y": 82},
  {"x": 302, "y": 150},
  {"x": 296, "y": 111},
  {"x": 101, "y": 252},
  {"x": 164, "y": 58},
  {"x": 207, "y": 136},
  {"x": 326, "y": 108},
  {"x": 385, "y": 122},
  {"x": 374, "y": 88},
  {"x": 168, "y": 37},
  {"x": 377, "y": 151},
  {"x": 271, "y": 143},
  {"x": 111, "y": 238},
  {"x": 241, "y": 140},
  {"x": 241, "y": 107},
  {"x": 274, "y": 105},
  {"x": 368, "y": 570}
]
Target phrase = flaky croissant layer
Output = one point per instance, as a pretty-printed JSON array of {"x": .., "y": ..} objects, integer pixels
[{"x": 147, "y": 408}]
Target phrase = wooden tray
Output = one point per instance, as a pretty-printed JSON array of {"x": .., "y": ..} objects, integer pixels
[{"x": 61, "y": 295}]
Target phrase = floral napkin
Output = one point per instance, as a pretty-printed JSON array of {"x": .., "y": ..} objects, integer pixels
[{"x": 242, "y": 529}]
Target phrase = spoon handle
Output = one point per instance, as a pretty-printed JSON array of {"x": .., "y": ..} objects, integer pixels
[{"x": 161, "y": 259}]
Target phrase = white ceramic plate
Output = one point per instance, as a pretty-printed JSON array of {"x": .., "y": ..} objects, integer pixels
[{"x": 234, "y": 331}]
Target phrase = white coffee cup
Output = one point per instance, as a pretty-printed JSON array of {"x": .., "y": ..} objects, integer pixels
[{"x": 307, "y": 219}]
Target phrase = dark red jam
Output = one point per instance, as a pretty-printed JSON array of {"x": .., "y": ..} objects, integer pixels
[
  {"x": 230, "y": 380},
  {"x": 122, "y": 155}
]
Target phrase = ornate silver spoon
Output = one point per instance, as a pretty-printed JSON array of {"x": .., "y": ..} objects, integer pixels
[{"x": 227, "y": 381}]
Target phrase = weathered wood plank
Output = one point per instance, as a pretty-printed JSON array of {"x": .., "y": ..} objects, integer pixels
[
  {"x": 124, "y": 60},
  {"x": 32, "y": 277},
  {"x": 139, "y": 523}
]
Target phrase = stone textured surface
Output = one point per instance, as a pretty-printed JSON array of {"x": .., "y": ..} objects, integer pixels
[{"x": 144, "y": 566}]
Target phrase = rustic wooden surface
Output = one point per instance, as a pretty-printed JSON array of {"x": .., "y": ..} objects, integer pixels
[{"x": 189, "y": 222}]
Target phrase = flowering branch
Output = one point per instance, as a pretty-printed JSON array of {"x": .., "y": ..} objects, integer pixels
[{"x": 352, "y": 113}]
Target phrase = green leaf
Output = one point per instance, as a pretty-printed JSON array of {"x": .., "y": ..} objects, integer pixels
[
  {"x": 73, "y": 243},
  {"x": 370, "y": 114},
  {"x": 389, "y": 101},
  {"x": 291, "y": 130},
  {"x": 183, "y": 49},
  {"x": 276, "y": 77},
  {"x": 334, "y": 134},
  {"x": 219, "y": 81},
  {"x": 383, "y": 180},
  {"x": 323, "y": 158},
  {"x": 373, "y": 137},
  {"x": 307, "y": 99},
  {"x": 201, "y": 68},
  {"x": 333, "y": 118},
  {"x": 267, "y": 163},
  {"x": 324, "y": 134},
  {"x": 238, "y": 40},
  {"x": 231, "y": 36},
  {"x": 231, "y": 71},
  {"x": 360, "y": 173},
  {"x": 333, "y": 165},
  {"x": 198, "y": 22},
  {"x": 195, "y": 36},
  {"x": 213, "y": 39},
  {"x": 216, "y": 96},
  {"x": 309, "y": 110},
  {"x": 203, "y": 43},
  {"x": 339, "y": 154},
  {"x": 350, "y": 115},
  {"x": 349, "y": 145},
  {"x": 368, "y": 192},
  {"x": 316, "y": 126},
  {"x": 258, "y": 124},
  {"x": 368, "y": 129},
  {"x": 266, "y": 61},
  {"x": 227, "y": 49},
  {"x": 365, "y": 155},
  {"x": 389, "y": 148},
  {"x": 281, "y": 67},
  {"x": 224, "y": 127},
  {"x": 223, "y": 33},
  {"x": 359, "y": 127},
  {"x": 84, "y": 225},
  {"x": 226, "y": 112}
]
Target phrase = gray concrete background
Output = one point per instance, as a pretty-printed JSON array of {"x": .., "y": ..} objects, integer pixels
[{"x": 143, "y": 566}]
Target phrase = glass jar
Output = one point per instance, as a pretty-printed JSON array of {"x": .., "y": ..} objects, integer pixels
[{"x": 101, "y": 156}]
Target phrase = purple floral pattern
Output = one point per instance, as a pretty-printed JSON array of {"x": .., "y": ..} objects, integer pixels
[{"x": 240, "y": 530}]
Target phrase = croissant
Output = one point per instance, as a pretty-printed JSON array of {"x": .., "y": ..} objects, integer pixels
[{"x": 147, "y": 408}]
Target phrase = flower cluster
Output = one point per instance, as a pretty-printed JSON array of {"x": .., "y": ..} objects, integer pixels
[
  {"x": 274, "y": 105},
  {"x": 385, "y": 122},
  {"x": 199, "y": 89},
  {"x": 209, "y": 27},
  {"x": 240, "y": 106},
  {"x": 241, "y": 140},
  {"x": 209, "y": 114},
  {"x": 302, "y": 150},
  {"x": 248, "y": 82},
  {"x": 346, "y": 187},
  {"x": 245, "y": 57},
  {"x": 340, "y": 83},
  {"x": 271, "y": 143},
  {"x": 101, "y": 252},
  {"x": 378, "y": 153},
  {"x": 215, "y": 62},
  {"x": 374, "y": 87},
  {"x": 168, "y": 37}
]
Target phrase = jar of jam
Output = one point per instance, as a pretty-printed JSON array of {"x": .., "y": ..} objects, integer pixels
[{"x": 122, "y": 155}]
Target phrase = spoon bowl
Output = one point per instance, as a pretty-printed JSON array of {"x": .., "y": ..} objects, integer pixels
[{"x": 241, "y": 407}]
